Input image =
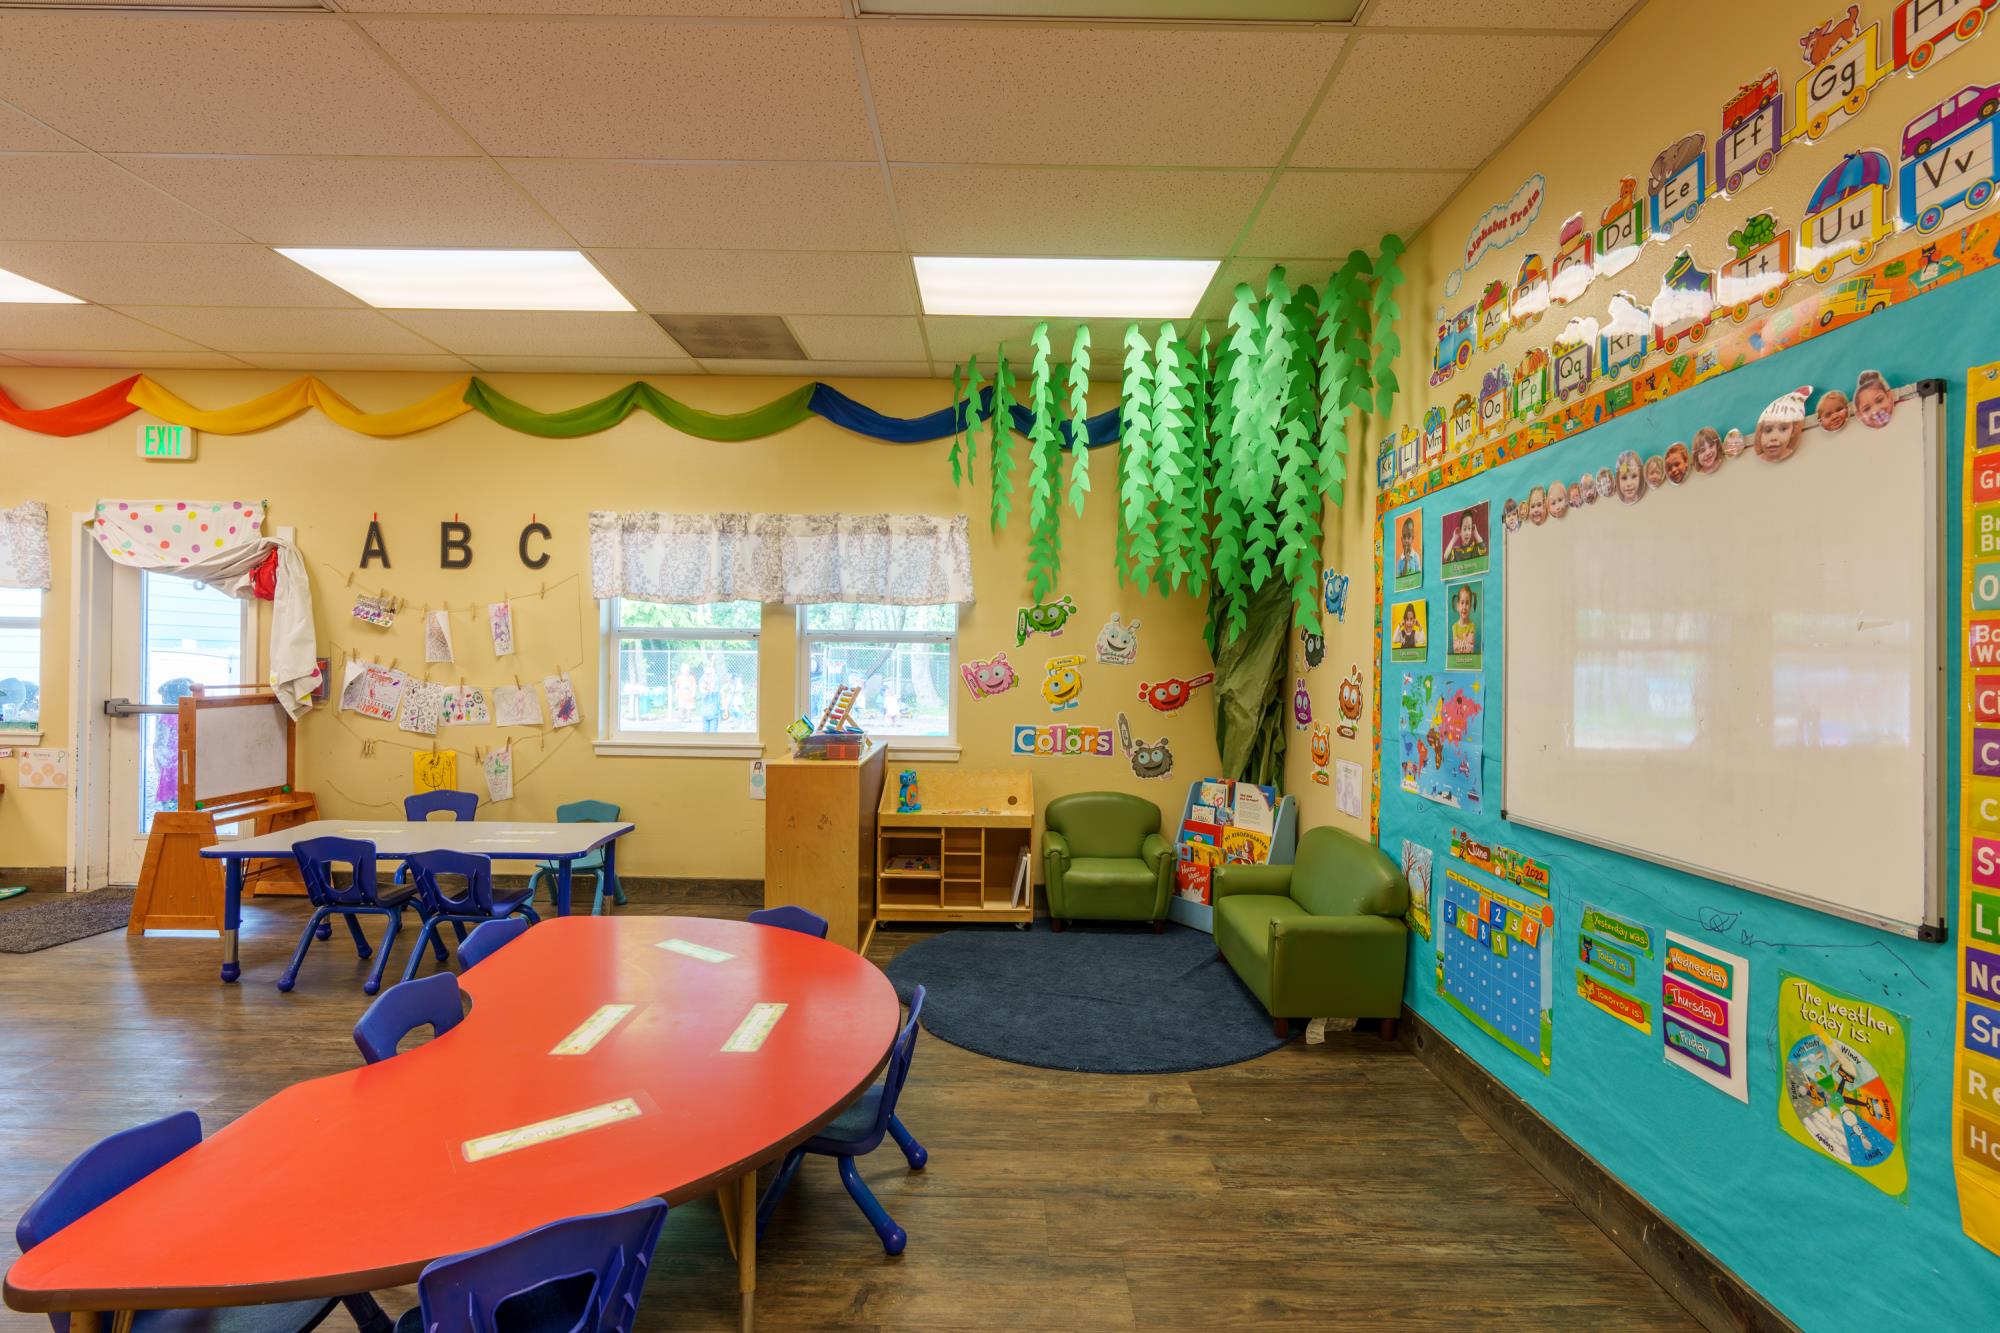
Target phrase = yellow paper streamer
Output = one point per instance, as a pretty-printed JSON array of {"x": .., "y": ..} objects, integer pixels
[{"x": 283, "y": 404}]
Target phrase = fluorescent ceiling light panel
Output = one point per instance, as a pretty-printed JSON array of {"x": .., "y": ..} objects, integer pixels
[
  {"x": 1063, "y": 288},
  {"x": 17, "y": 290},
  {"x": 464, "y": 279}
]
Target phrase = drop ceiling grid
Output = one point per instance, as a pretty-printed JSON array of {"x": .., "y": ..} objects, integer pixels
[{"x": 711, "y": 156}]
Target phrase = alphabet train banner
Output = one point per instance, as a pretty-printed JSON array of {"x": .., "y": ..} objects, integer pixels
[{"x": 1947, "y": 159}]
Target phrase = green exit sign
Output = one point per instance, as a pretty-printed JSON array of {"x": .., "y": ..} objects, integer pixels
[{"x": 172, "y": 443}]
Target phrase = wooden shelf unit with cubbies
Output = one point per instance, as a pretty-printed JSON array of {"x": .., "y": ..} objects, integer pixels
[{"x": 957, "y": 858}]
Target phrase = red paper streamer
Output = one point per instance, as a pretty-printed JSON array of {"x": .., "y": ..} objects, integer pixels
[{"x": 77, "y": 417}]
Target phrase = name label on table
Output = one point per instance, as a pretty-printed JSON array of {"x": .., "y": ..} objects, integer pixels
[
  {"x": 693, "y": 950},
  {"x": 548, "y": 1131},
  {"x": 593, "y": 1029},
  {"x": 755, "y": 1027}
]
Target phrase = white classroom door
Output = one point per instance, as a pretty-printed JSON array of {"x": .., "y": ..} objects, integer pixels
[{"x": 168, "y": 634}]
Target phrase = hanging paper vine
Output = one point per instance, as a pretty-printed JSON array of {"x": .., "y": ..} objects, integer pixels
[{"x": 1229, "y": 449}]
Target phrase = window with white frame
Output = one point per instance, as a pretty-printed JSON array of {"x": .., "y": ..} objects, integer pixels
[
  {"x": 20, "y": 661},
  {"x": 682, "y": 673},
  {"x": 901, "y": 657}
]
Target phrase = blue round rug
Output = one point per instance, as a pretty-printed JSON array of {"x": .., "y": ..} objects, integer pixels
[{"x": 1098, "y": 999}]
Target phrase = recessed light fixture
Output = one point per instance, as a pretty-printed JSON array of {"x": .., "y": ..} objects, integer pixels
[
  {"x": 1063, "y": 288},
  {"x": 18, "y": 290},
  {"x": 464, "y": 279}
]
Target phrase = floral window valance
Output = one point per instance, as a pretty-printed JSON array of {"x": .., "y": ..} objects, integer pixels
[
  {"x": 24, "y": 546},
  {"x": 881, "y": 559}
]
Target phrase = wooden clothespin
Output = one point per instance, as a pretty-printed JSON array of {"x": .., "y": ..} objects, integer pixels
[
  {"x": 517, "y": 681},
  {"x": 350, "y": 578}
]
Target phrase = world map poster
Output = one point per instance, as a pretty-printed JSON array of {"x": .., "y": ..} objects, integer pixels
[{"x": 1443, "y": 737}]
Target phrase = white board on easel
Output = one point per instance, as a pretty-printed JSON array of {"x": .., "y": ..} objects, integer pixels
[{"x": 239, "y": 747}]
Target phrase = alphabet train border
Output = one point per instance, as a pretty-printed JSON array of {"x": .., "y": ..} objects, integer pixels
[{"x": 1947, "y": 171}]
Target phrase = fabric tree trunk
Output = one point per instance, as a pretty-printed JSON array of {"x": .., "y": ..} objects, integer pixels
[{"x": 1250, "y": 693}]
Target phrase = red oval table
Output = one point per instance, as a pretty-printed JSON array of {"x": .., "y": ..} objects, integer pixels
[{"x": 355, "y": 1181}]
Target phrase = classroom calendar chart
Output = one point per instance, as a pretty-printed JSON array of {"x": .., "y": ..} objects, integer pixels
[{"x": 1495, "y": 960}]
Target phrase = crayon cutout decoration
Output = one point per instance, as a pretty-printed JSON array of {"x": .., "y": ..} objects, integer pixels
[
  {"x": 1168, "y": 696},
  {"x": 1063, "y": 683},
  {"x": 1043, "y": 618},
  {"x": 986, "y": 679}
]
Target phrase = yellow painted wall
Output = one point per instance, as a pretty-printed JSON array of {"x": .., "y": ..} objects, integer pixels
[
  {"x": 1666, "y": 72},
  {"x": 695, "y": 816}
]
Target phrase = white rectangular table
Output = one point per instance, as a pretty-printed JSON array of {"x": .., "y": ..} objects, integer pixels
[{"x": 559, "y": 844}]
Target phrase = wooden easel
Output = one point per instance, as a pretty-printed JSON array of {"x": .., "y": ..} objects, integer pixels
[{"x": 178, "y": 889}]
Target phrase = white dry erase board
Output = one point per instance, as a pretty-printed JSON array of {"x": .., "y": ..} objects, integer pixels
[
  {"x": 1738, "y": 676},
  {"x": 237, "y": 746}
]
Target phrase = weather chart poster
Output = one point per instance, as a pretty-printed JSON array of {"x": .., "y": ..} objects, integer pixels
[{"x": 1843, "y": 1080}]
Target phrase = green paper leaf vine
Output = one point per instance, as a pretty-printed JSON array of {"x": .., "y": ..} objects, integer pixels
[
  {"x": 958, "y": 436},
  {"x": 1229, "y": 448}
]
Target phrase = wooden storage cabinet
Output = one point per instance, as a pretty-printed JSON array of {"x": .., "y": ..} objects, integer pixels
[
  {"x": 819, "y": 839},
  {"x": 957, "y": 858}
]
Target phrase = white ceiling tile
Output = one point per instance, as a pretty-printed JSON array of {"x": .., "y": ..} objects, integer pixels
[
  {"x": 132, "y": 361},
  {"x": 1417, "y": 100},
  {"x": 82, "y": 328},
  {"x": 1333, "y": 212},
  {"x": 858, "y": 337},
  {"x": 254, "y": 329},
  {"x": 714, "y": 206},
  {"x": 356, "y": 200},
  {"x": 588, "y": 365},
  {"x": 953, "y": 338},
  {"x": 1071, "y": 94},
  {"x": 1107, "y": 212},
  {"x": 10, "y": 361},
  {"x": 540, "y": 333},
  {"x": 21, "y": 133},
  {"x": 819, "y": 370},
  {"x": 82, "y": 197},
  {"x": 762, "y": 282},
  {"x": 314, "y": 362},
  {"x": 1501, "y": 14},
  {"x": 126, "y": 83},
  {"x": 535, "y": 88},
  {"x": 162, "y": 274},
  {"x": 728, "y": 9}
]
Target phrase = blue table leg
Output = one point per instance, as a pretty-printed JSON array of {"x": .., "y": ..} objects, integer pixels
[
  {"x": 611, "y": 872},
  {"x": 232, "y": 915},
  {"x": 562, "y": 885}
]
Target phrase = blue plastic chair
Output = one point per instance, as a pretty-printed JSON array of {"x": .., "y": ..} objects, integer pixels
[
  {"x": 460, "y": 805},
  {"x": 112, "y": 1166},
  {"x": 582, "y": 1274},
  {"x": 855, "y": 1132},
  {"x": 360, "y": 896},
  {"x": 791, "y": 918},
  {"x": 486, "y": 940},
  {"x": 405, "y": 1007},
  {"x": 474, "y": 905},
  {"x": 583, "y": 812}
]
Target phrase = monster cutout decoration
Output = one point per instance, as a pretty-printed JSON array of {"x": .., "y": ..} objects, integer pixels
[
  {"x": 1168, "y": 696},
  {"x": 1336, "y": 595},
  {"x": 1322, "y": 753},
  {"x": 1313, "y": 645},
  {"x": 1063, "y": 683},
  {"x": 986, "y": 679},
  {"x": 1350, "y": 703},
  {"x": 1153, "y": 760},
  {"x": 1302, "y": 705},
  {"x": 1118, "y": 644},
  {"x": 1043, "y": 618}
]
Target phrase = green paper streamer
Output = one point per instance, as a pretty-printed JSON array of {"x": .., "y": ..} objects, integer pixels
[
  {"x": 999, "y": 441},
  {"x": 958, "y": 436},
  {"x": 1136, "y": 436},
  {"x": 606, "y": 412},
  {"x": 969, "y": 409},
  {"x": 1079, "y": 414},
  {"x": 1044, "y": 472},
  {"x": 1177, "y": 481}
]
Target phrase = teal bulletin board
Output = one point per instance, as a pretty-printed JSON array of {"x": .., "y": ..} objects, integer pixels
[{"x": 1828, "y": 1247}]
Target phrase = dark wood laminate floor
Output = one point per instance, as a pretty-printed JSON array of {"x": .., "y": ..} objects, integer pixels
[{"x": 1337, "y": 1186}]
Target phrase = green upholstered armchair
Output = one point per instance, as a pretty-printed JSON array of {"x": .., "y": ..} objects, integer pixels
[
  {"x": 1105, "y": 860},
  {"x": 1321, "y": 938}
]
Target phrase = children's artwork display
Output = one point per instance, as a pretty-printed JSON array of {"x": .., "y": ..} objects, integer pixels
[
  {"x": 498, "y": 769},
  {"x": 371, "y": 690},
  {"x": 434, "y": 770},
  {"x": 375, "y": 609},
  {"x": 563, "y": 710},
  {"x": 1842, "y": 1095},
  {"x": 437, "y": 636},
  {"x": 1444, "y": 750},
  {"x": 1349, "y": 789},
  {"x": 44, "y": 767},
  {"x": 516, "y": 706},
  {"x": 464, "y": 706},
  {"x": 1466, "y": 536},
  {"x": 1409, "y": 630},
  {"x": 1703, "y": 991},
  {"x": 1417, "y": 860},
  {"x": 1463, "y": 651},
  {"x": 1409, "y": 553},
  {"x": 1494, "y": 963},
  {"x": 500, "y": 624},
  {"x": 423, "y": 706}
]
